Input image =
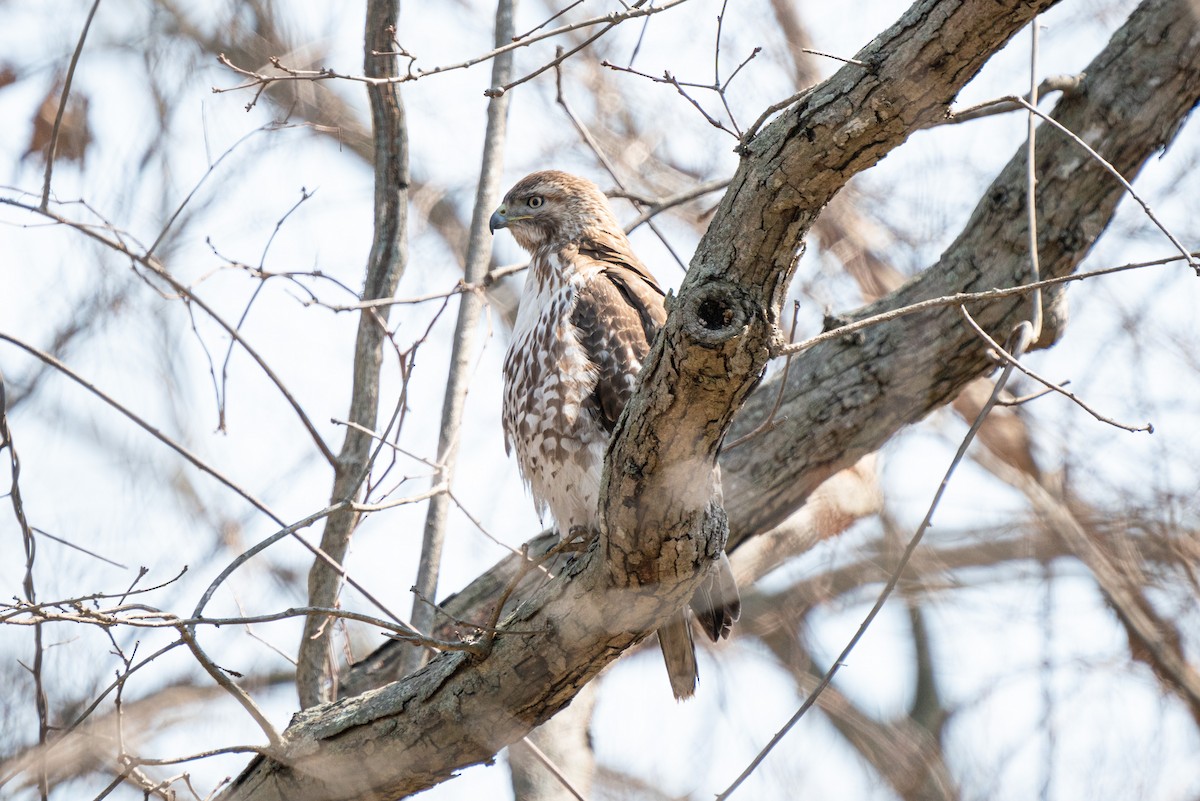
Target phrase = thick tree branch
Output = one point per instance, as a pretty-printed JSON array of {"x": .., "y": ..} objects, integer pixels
[{"x": 846, "y": 399}]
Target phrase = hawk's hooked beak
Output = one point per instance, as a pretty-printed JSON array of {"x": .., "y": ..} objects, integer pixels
[{"x": 497, "y": 220}]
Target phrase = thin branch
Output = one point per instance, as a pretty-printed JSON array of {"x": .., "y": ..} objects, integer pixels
[
  {"x": 1055, "y": 83},
  {"x": 27, "y": 585},
  {"x": 475, "y": 522},
  {"x": 1019, "y": 340},
  {"x": 433, "y": 492},
  {"x": 501, "y": 273},
  {"x": 219, "y": 675},
  {"x": 555, "y": 771},
  {"x": 223, "y": 389},
  {"x": 1011, "y": 361},
  {"x": 256, "y": 79},
  {"x": 27, "y": 608},
  {"x": 116, "y": 243},
  {"x": 960, "y": 298},
  {"x": 162, "y": 234},
  {"x": 79, "y": 548},
  {"x": 147, "y": 617},
  {"x": 319, "y": 553},
  {"x": 52, "y": 148},
  {"x": 116, "y": 684},
  {"x": 229, "y": 749},
  {"x": 656, "y": 206},
  {"x": 1035, "y": 270},
  {"x": 611, "y": 169},
  {"x": 842, "y": 59},
  {"x": 1032, "y": 396},
  {"x": 546, "y": 22},
  {"x": 1023, "y": 103},
  {"x": 466, "y": 329},
  {"x": 383, "y": 303},
  {"x": 195, "y": 460},
  {"x": 671, "y": 80},
  {"x": 561, "y": 56},
  {"x": 768, "y": 112},
  {"x": 384, "y": 441}
]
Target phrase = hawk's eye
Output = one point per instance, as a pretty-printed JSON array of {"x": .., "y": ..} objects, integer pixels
[{"x": 536, "y": 202}]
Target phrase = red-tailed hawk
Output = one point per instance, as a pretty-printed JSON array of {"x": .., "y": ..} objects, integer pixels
[{"x": 587, "y": 316}]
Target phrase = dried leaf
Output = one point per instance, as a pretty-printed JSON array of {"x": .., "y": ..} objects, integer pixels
[{"x": 74, "y": 135}]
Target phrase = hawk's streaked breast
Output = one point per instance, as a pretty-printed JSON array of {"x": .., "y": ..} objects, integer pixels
[{"x": 549, "y": 377}]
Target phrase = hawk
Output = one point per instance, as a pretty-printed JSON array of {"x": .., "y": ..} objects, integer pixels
[{"x": 589, "y": 311}]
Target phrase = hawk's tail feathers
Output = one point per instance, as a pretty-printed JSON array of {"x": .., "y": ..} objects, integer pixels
[
  {"x": 716, "y": 602},
  {"x": 679, "y": 652}
]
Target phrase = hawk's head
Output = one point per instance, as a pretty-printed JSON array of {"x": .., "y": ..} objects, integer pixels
[{"x": 553, "y": 207}]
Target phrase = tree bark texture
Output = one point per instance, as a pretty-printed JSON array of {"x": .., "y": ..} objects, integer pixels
[{"x": 844, "y": 398}]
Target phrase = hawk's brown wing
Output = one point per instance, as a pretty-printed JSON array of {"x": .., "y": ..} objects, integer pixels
[
  {"x": 606, "y": 248},
  {"x": 617, "y": 313}
]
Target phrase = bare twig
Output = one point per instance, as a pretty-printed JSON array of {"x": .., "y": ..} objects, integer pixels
[
  {"x": 594, "y": 146},
  {"x": 682, "y": 86},
  {"x": 770, "y": 110},
  {"x": 221, "y": 677},
  {"x": 116, "y": 242},
  {"x": 27, "y": 586},
  {"x": 527, "y": 565},
  {"x": 144, "y": 616},
  {"x": 195, "y": 460},
  {"x": 843, "y": 59},
  {"x": 964, "y": 297},
  {"x": 223, "y": 388},
  {"x": 719, "y": 86},
  {"x": 79, "y": 548},
  {"x": 1055, "y": 83},
  {"x": 1018, "y": 343},
  {"x": 555, "y": 771},
  {"x": 22, "y": 608},
  {"x": 638, "y": 9},
  {"x": 501, "y": 273},
  {"x": 382, "y": 439},
  {"x": 433, "y": 492},
  {"x": 162, "y": 234},
  {"x": 1035, "y": 270},
  {"x": 52, "y": 148},
  {"x": 609, "y": 21},
  {"x": 1011, "y": 360},
  {"x": 1032, "y": 396},
  {"x": 546, "y": 22},
  {"x": 475, "y": 522},
  {"x": 1025, "y": 104},
  {"x": 655, "y": 206},
  {"x": 466, "y": 328}
]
